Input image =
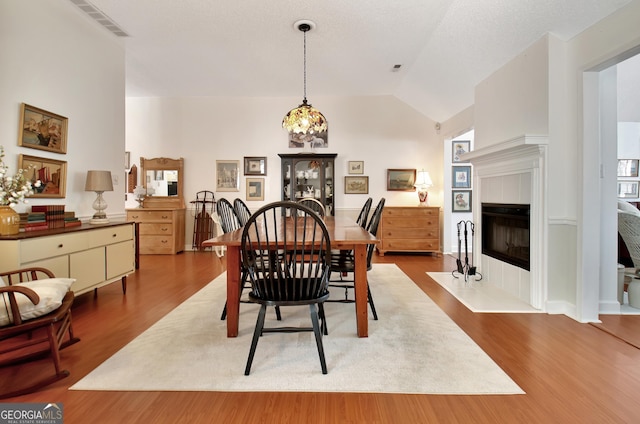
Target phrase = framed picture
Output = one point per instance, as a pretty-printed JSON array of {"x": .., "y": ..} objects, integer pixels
[
  {"x": 461, "y": 201},
  {"x": 255, "y": 165},
  {"x": 459, "y": 147},
  {"x": 42, "y": 130},
  {"x": 401, "y": 179},
  {"x": 355, "y": 167},
  {"x": 627, "y": 167},
  {"x": 255, "y": 188},
  {"x": 51, "y": 173},
  {"x": 461, "y": 177},
  {"x": 127, "y": 160},
  {"x": 356, "y": 185},
  {"x": 227, "y": 175},
  {"x": 628, "y": 189},
  {"x": 319, "y": 140}
]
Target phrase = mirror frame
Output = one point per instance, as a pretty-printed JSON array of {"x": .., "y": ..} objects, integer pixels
[{"x": 163, "y": 164}]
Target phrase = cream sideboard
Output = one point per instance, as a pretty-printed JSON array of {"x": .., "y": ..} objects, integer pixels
[
  {"x": 409, "y": 229},
  {"x": 161, "y": 230},
  {"x": 95, "y": 255}
]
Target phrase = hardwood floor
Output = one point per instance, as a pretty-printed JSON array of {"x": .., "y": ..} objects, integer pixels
[{"x": 571, "y": 372}]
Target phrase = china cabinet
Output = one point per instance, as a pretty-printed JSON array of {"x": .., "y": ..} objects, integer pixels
[{"x": 309, "y": 175}]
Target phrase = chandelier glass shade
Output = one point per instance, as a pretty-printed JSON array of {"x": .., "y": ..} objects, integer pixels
[{"x": 304, "y": 119}]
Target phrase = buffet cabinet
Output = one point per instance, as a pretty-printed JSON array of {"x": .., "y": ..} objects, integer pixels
[
  {"x": 309, "y": 175},
  {"x": 161, "y": 230},
  {"x": 95, "y": 255},
  {"x": 409, "y": 229}
]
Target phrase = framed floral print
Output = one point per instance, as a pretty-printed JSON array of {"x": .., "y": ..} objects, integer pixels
[{"x": 42, "y": 130}]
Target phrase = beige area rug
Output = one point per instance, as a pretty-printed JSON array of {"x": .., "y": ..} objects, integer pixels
[
  {"x": 413, "y": 348},
  {"x": 481, "y": 296}
]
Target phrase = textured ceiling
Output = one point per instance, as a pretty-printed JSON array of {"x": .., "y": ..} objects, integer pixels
[{"x": 250, "y": 47}]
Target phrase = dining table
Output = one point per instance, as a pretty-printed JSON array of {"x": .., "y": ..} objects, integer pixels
[{"x": 344, "y": 233}]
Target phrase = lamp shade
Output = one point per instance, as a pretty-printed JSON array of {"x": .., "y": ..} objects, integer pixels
[
  {"x": 423, "y": 179},
  {"x": 98, "y": 181}
]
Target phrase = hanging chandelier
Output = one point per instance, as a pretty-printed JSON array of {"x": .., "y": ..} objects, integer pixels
[{"x": 304, "y": 119}]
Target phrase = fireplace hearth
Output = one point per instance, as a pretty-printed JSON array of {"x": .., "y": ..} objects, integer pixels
[{"x": 505, "y": 233}]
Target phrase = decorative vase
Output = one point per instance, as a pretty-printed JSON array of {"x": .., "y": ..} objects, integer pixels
[{"x": 9, "y": 221}]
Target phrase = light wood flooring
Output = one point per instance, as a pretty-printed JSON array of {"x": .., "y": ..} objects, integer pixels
[{"x": 571, "y": 372}]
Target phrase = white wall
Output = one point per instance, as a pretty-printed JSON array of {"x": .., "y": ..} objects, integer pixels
[
  {"x": 380, "y": 130},
  {"x": 55, "y": 58},
  {"x": 514, "y": 100}
]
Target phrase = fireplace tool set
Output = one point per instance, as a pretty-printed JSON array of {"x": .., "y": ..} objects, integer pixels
[{"x": 465, "y": 269}]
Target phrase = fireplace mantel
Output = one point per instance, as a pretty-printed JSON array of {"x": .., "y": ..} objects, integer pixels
[{"x": 519, "y": 147}]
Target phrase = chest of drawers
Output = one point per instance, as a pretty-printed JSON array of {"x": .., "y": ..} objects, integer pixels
[
  {"x": 409, "y": 229},
  {"x": 161, "y": 230}
]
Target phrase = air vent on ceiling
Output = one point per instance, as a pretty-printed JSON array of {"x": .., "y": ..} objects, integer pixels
[
  {"x": 396, "y": 68},
  {"x": 100, "y": 17}
]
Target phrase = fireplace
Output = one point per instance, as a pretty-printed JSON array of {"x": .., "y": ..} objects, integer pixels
[{"x": 505, "y": 233}]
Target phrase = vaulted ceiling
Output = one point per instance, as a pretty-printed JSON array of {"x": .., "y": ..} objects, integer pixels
[{"x": 251, "y": 48}]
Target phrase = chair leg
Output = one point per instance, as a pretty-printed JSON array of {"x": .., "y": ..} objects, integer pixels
[
  {"x": 373, "y": 307},
  {"x": 278, "y": 316},
  {"x": 323, "y": 319},
  {"x": 318, "y": 334},
  {"x": 256, "y": 336}
]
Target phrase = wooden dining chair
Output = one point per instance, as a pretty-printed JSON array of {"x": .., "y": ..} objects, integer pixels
[
  {"x": 314, "y": 204},
  {"x": 344, "y": 264},
  {"x": 289, "y": 279},
  {"x": 242, "y": 211},
  {"x": 229, "y": 221},
  {"x": 363, "y": 216}
]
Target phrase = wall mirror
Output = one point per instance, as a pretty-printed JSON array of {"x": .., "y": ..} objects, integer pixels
[{"x": 164, "y": 178}]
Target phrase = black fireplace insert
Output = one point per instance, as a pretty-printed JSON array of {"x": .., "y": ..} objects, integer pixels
[{"x": 505, "y": 233}]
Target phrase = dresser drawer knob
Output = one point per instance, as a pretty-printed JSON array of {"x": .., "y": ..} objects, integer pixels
[
  {"x": 60, "y": 246},
  {"x": 165, "y": 217},
  {"x": 114, "y": 235},
  {"x": 134, "y": 216}
]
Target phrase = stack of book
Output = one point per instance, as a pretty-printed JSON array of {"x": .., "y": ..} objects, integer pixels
[
  {"x": 70, "y": 220},
  {"x": 45, "y": 217},
  {"x": 54, "y": 214},
  {"x": 33, "y": 221}
]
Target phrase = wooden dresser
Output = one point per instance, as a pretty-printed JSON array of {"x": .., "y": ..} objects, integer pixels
[
  {"x": 409, "y": 229},
  {"x": 161, "y": 230},
  {"x": 95, "y": 255}
]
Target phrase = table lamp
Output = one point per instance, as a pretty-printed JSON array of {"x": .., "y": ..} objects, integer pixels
[
  {"x": 423, "y": 182},
  {"x": 99, "y": 181}
]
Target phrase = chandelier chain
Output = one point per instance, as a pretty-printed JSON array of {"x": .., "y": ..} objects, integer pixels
[{"x": 305, "y": 64}]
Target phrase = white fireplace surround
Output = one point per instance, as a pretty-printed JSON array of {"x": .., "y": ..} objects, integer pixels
[{"x": 514, "y": 171}]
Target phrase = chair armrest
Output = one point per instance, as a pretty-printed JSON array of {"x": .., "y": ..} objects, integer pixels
[
  {"x": 11, "y": 291},
  {"x": 25, "y": 274}
]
